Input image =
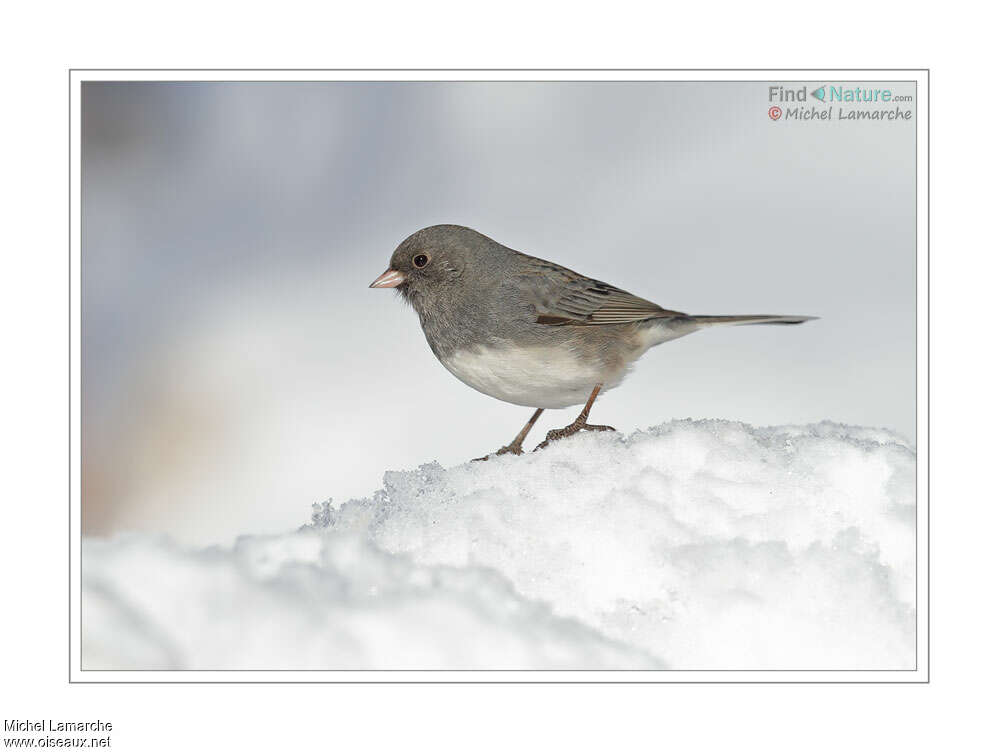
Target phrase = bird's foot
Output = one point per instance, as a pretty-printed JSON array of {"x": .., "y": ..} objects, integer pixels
[
  {"x": 514, "y": 448},
  {"x": 573, "y": 428}
]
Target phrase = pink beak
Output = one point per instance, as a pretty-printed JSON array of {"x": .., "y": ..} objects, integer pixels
[{"x": 390, "y": 278}]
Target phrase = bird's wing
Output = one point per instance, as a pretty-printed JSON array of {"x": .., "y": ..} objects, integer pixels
[{"x": 562, "y": 296}]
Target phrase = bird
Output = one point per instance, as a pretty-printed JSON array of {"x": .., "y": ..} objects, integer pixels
[{"x": 529, "y": 331}]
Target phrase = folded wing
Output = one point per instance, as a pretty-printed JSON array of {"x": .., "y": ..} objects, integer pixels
[{"x": 561, "y": 296}]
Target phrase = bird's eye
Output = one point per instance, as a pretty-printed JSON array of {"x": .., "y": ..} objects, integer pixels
[{"x": 420, "y": 260}]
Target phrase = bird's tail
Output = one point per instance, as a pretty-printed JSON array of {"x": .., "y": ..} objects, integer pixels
[{"x": 709, "y": 321}]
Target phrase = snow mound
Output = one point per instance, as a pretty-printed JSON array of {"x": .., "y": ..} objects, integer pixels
[
  {"x": 694, "y": 545},
  {"x": 708, "y": 544}
]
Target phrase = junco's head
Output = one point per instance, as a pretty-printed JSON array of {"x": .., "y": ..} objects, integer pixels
[{"x": 435, "y": 258}]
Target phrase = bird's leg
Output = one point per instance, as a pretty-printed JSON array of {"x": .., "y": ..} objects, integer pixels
[
  {"x": 578, "y": 425},
  {"x": 516, "y": 447}
]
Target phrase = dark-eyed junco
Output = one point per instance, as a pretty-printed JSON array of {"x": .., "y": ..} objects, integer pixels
[{"x": 526, "y": 330}]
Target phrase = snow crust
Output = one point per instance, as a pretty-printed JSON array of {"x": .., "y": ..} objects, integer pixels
[{"x": 693, "y": 545}]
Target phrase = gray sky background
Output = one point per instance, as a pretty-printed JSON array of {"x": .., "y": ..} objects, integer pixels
[{"x": 237, "y": 368}]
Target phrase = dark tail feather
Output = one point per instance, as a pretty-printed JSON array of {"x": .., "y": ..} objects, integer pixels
[{"x": 707, "y": 321}]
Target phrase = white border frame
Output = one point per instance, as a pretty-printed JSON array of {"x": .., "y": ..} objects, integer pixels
[{"x": 919, "y": 675}]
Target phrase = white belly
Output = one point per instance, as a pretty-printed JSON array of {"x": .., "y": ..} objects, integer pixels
[{"x": 542, "y": 377}]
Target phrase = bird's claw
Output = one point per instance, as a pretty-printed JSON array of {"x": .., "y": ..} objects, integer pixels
[
  {"x": 510, "y": 449},
  {"x": 568, "y": 431}
]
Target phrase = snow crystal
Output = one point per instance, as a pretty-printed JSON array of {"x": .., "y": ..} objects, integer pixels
[{"x": 693, "y": 545}]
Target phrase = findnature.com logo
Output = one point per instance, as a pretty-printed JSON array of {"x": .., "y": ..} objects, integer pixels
[{"x": 853, "y": 96}]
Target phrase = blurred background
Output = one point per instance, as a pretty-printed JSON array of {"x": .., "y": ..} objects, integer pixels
[{"x": 236, "y": 367}]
